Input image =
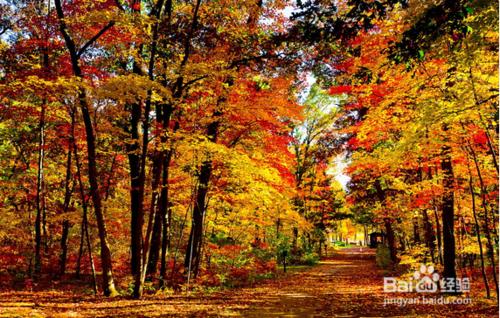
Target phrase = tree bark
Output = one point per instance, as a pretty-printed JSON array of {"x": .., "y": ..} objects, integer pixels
[
  {"x": 448, "y": 216},
  {"x": 85, "y": 235},
  {"x": 39, "y": 194},
  {"x": 391, "y": 242},
  {"x": 136, "y": 191},
  {"x": 164, "y": 204},
  {"x": 154, "y": 252},
  {"x": 107, "y": 267},
  {"x": 141, "y": 252},
  {"x": 192, "y": 259}
]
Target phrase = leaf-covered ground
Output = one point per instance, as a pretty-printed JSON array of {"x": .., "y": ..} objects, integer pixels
[{"x": 345, "y": 285}]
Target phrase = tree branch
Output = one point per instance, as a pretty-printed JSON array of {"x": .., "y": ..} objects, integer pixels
[
  {"x": 95, "y": 38},
  {"x": 188, "y": 83}
]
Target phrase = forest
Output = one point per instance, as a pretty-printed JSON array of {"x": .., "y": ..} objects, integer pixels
[{"x": 254, "y": 158}]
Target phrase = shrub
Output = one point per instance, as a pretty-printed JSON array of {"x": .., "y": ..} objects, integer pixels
[
  {"x": 238, "y": 276},
  {"x": 208, "y": 278},
  {"x": 310, "y": 259},
  {"x": 236, "y": 265}
]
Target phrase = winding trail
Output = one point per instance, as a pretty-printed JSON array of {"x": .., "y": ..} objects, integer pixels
[{"x": 348, "y": 284}]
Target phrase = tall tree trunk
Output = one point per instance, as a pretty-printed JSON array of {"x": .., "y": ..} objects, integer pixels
[
  {"x": 40, "y": 206},
  {"x": 486, "y": 227},
  {"x": 154, "y": 252},
  {"x": 136, "y": 191},
  {"x": 85, "y": 236},
  {"x": 161, "y": 165},
  {"x": 192, "y": 259},
  {"x": 82, "y": 200},
  {"x": 391, "y": 241},
  {"x": 165, "y": 244},
  {"x": 142, "y": 266},
  {"x": 108, "y": 284},
  {"x": 164, "y": 204},
  {"x": 448, "y": 216},
  {"x": 40, "y": 221}
]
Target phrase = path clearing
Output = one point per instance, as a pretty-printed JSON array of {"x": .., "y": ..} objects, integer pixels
[{"x": 346, "y": 285}]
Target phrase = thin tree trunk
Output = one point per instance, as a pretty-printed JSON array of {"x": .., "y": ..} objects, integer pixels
[
  {"x": 486, "y": 226},
  {"x": 82, "y": 197},
  {"x": 39, "y": 194},
  {"x": 164, "y": 210},
  {"x": 478, "y": 104},
  {"x": 67, "y": 199},
  {"x": 136, "y": 191},
  {"x": 154, "y": 251},
  {"x": 80, "y": 250},
  {"x": 64, "y": 247},
  {"x": 91, "y": 259},
  {"x": 438, "y": 234},
  {"x": 478, "y": 236},
  {"x": 428, "y": 234},
  {"x": 438, "y": 225},
  {"x": 85, "y": 235},
  {"x": 165, "y": 244}
]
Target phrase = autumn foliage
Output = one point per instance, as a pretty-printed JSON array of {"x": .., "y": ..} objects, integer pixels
[{"x": 166, "y": 146}]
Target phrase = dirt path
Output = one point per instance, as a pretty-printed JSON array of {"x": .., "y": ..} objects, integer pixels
[
  {"x": 341, "y": 286},
  {"x": 350, "y": 285},
  {"x": 345, "y": 285}
]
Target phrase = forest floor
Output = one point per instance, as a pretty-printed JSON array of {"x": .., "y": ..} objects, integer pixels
[{"x": 347, "y": 284}]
